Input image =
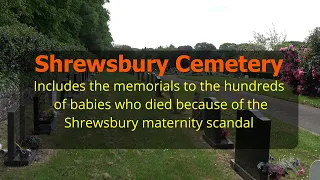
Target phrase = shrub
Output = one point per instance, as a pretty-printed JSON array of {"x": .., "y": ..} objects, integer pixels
[
  {"x": 17, "y": 41},
  {"x": 300, "y": 71}
]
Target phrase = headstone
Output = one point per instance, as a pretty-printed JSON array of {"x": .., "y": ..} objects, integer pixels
[
  {"x": 16, "y": 134},
  {"x": 252, "y": 145},
  {"x": 52, "y": 98},
  {"x": 146, "y": 78},
  {"x": 196, "y": 114},
  {"x": 153, "y": 78},
  {"x": 158, "y": 92},
  {"x": 63, "y": 94},
  {"x": 42, "y": 126},
  {"x": 315, "y": 171},
  {"x": 138, "y": 75},
  {"x": 213, "y": 136},
  {"x": 173, "y": 100},
  {"x": 149, "y": 77},
  {"x": 83, "y": 77}
]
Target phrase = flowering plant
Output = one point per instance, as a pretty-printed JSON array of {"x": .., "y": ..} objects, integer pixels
[
  {"x": 301, "y": 67},
  {"x": 48, "y": 115},
  {"x": 279, "y": 169},
  {"x": 224, "y": 132}
]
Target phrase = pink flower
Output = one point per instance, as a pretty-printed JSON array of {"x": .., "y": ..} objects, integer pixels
[
  {"x": 314, "y": 73},
  {"x": 299, "y": 89},
  {"x": 305, "y": 49},
  {"x": 300, "y": 73},
  {"x": 301, "y": 171},
  {"x": 298, "y": 60},
  {"x": 302, "y": 81},
  {"x": 291, "y": 47}
]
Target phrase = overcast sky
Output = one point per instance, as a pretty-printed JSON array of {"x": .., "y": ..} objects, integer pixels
[{"x": 150, "y": 23}]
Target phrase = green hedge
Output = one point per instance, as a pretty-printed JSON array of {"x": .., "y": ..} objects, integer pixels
[{"x": 17, "y": 41}]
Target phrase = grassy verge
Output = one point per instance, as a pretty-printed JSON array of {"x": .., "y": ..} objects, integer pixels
[
  {"x": 121, "y": 163},
  {"x": 287, "y": 94}
]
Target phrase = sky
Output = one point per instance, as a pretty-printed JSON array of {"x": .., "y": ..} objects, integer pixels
[{"x": 150, "y": 23}]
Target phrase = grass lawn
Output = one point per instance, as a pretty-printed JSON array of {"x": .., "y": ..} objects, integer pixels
[
  {"x": 287, "y": 94},
  {"x": 143, "y": 163}
]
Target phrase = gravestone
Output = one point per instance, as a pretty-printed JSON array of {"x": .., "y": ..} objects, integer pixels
[
  {"x": 146, "y": 78},
  {"x": 252, "y": 145},
  {"x": 149, "y": 77},
  {"x": 83, "y": 77},
  {"x": 213, "y": 136},
  {"x": 63, "y": 93},
  {"x": 138, "y": 76},
  {"x": 16, "y": 134},
  {"x": 315, "y": 171},
  {"x": 196, "y": 113},
  {"x": 158, "y": 92},
  {"x": 52, "y": 98},
  {"x": 173, "y": 100},
  {"x": 41, "y": 103},
  {"x": 76, "y": 79}
]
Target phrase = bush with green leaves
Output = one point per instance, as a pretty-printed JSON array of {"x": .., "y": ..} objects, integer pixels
[
  {"x": 19, "y": 43},
  {"x": 301, "y": 67}
]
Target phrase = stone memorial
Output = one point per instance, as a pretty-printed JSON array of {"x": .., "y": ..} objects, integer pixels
[
  {"x": 252, "y": 145},
  {"x": 158, "y": 92},
  {"x": 45, "y": 117},
  {"x": 214, "y": 136},
  {"x": 16, "y": 156},
  {"x": 173, "y": 100}
]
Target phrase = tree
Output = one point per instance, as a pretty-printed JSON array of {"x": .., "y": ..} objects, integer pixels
[
  {"x": 205, "y": 46},
  {"x": 185, "y": 48},
  {"x": 270, "y": 40},
  {"x": 313, "y": 40},
  {"x": 250, "y": 47},
  {"x": 228, "y": 46}
]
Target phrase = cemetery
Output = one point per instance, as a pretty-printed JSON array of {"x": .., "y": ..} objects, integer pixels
[
  {"x": 136, "y": 121},
  {"x": 242, "y": 162}
]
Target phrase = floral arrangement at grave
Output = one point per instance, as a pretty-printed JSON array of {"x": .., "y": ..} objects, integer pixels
[
  {"x": 48, "y": 115},
  {"x": 224, "y": 132},
  {"x": 32, "y": 142},
  {"x": 301, "y": 67},
  {"x": 278, "y": 169}
]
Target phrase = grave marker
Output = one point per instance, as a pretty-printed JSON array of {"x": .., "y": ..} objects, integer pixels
[
  {"x": 63, "y": 94},
  {"x": 41, "y": 124},
  {"x": 173, "y": 100},
  {"x": 158, "y": 90},
  {"x": 213, "y": 136},
  {"x": 196, "y": 113},
  {"x": 16, "y": 134},
  {"x": 147, "y": 78},
  {"x": 138, "y": 75},
  {"x": 252, "y": 145}
]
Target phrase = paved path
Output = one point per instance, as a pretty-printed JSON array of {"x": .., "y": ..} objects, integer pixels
[{"x": 309, "y": 117}]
